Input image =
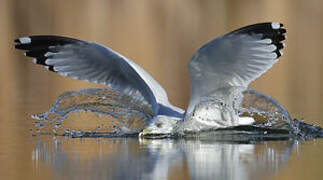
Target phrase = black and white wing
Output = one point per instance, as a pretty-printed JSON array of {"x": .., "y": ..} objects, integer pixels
[
  {"x": 235, "y": 59},
  {"x": 95, "y": 63}
]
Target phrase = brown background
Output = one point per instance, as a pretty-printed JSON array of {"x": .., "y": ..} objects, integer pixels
[{"x": 160, "y": 36}]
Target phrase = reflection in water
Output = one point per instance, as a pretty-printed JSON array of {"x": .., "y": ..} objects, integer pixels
[{"x": 131, "y": 158}]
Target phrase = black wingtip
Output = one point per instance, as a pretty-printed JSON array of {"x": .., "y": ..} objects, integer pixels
[
  {"x": 50, "y": 68},
  {"x": 280, "y": 45},
  {"x": 20, "y": 46},
  {"x": 262, "y": 28},
  {"x": 269, "y": 30},
  {"x": 37, "y": 46},
  {"x": 282, "y": 30}
]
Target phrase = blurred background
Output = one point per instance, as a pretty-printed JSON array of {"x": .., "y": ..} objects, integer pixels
[{"x": 160, "y": 36}]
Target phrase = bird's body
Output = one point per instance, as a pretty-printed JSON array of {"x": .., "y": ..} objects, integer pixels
[{"x": 232, "y": 60}]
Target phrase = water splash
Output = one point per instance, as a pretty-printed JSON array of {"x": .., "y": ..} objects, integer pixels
[
  {"x": 266, "y": 111},
  {"x": 233, "y": 113},
  {"x": 94, "y": 112},
  {"x": 236, "y": 106},
  {"x": 239, "y": 113}
]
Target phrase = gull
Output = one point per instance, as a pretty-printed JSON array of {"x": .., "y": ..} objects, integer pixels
[{"x": 232, "y": 60}]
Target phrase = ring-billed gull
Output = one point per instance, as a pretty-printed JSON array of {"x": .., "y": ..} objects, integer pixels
[{"x": 231, "y": 60}]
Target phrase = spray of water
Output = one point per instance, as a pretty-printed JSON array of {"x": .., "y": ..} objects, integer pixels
[
  {"x": 105, "y": 112},
  {"x": 94, "y": 112}
]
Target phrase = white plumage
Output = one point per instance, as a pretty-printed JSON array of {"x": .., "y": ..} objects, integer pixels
[{"x": 234, "y": 59}]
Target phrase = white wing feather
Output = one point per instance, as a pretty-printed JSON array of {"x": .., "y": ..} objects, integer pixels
[
  {"x": 234, "y": 59},
  {"x": 95, "y": 63}
]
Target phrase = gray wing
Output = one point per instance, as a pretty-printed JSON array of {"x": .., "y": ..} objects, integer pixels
[
  {"x": 235, "y": 59},
  {"x": 92, "y": 62}
]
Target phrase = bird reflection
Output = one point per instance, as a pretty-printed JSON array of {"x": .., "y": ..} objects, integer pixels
[{"x": 130, "y": 158}]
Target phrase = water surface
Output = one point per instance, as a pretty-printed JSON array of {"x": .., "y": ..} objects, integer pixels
[{"x": 24, "y": 156}]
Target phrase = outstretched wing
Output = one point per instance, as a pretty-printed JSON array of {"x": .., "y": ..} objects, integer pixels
[
  {"x": 92, "y": 62},
  {"x": 235, "y": 59}
]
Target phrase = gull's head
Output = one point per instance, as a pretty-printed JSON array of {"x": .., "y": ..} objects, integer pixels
[{"x": 161, "y": 126}]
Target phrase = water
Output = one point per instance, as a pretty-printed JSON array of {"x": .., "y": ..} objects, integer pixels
[
  {"x": 234, "y": 113},
  {"x": 236, "y": 106},
  {"x": 223, "y": 153},
  {"x": 94, "y": 112},
  {"x": 130, "y": 158}
]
